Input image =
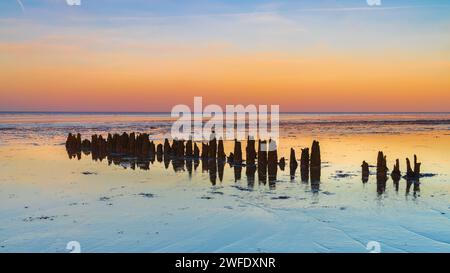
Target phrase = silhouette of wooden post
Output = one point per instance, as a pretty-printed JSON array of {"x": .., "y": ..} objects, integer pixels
[
  {"x": 365, "y": 172},
  {"x": 167, "y": 148},
  {"x": 221, "y": 157},
  {"x": 315, "y": 166},
  {"x": 205, "y": 151},
  {"x": 212, "y": 148},
  {"x": 262, "y": 162},
  {"x": 250, "y": 151},
  {"x": 282, "y": 163},
  {"x": 304, "y": 165},
  {"x": 237, "y": 152},
  {"x": 410, "y": 173},
  {"x": 381, "y": 173},
  {"x": 272, "y": 160},
  {"x": 416, "y": 167},
  {"x": 292, "y": 163},
  {"x": 196, "y": 151},
  {"x": 396, "y": 174},
  {"x": 189, "y": 148},
  {"x": 381, "y": 164},
  {"x": 159, "y": 152},
  {"x": 152, "y": 151}
]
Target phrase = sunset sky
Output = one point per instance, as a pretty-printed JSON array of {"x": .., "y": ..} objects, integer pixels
[{"x": 136, "y": 55}]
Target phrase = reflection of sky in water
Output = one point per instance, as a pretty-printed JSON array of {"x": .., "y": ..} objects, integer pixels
[{"x": 46, "y": 200}]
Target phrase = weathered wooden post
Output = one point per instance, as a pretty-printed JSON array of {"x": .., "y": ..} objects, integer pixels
[
  {"x": 250, "y": 152},
  {"x": 304, "y": 165},
  {"x": 189, "y": 148},
  {"x": 381, "y": 165},
  {"x": 365, "y": 172},
  {"x": 315, "y": 166},
  {"x": 416, "y": 167},
  {"x": 396, "y": 174},
  {"x": 381, "y": 173},
  {"x": 196, "y": 151},
  {"x": 237, "y": 152},
  {"x": 205, "y": 151},
  {"x": 272, "y": 161},
  {"x": 212, "y": 151},
  {"x": 292, "y": 163},
  {"x": 159, "y": 152},
  {"x": 221, "y": 157}
]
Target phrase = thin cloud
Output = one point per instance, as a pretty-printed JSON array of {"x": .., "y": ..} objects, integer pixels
[{"x": 21, "y": 5}]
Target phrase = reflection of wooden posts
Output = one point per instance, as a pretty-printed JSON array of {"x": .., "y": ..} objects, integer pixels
[
  {"x": 189, "y": 151},
  {"x": 220, "y": 169},
  {"x": 272, "y": 161},
  {"x": 262, "y": 162},
  {"x": 212, "y": 168},
  {"x": 86, "y": 145},
  {"x": 205, "y": 151},
  {"x": 189, "y": 166},
  {"x": 152, "y": 151},
  {"x": 381, "y": 165},
  {"x": 396, "y": 174},
  {"x": 237, "y": 152},
  {"x": 221, "y": 157},
  {"x": 196, "y": 151},
  {"x": 315, "y": 165},
  {"x": 159, "y": 152},
  {"x": 292, "y": 163},
  {"x": 282, "y": 163},
  {"x": 365, "y": 172},
  {"x": 212, "y": 151},
  {"x": 304, "y": 165},
  {"x": 204, "y": 164},
  {"x": 250, "y": 173},
  {"x": 381, "y": 173},
  {"x": 180, "y": 149},
  {"x": 230, "y": 159},
  {"x": 237, "y": 172},
  {"x": 416, "y": 167},
  {"x": 167, "y": 148}
]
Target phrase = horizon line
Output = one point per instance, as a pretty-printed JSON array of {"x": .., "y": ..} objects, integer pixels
[{"x": 169, "y": 112}]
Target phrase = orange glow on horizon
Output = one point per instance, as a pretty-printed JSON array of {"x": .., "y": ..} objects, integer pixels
[{"x": 47, "y": 77}]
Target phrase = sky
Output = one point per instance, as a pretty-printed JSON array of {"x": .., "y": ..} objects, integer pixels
[{"x": 306, "y": 56}]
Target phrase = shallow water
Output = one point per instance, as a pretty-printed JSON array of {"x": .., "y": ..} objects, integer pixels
[{"x": 48, "y": 200}]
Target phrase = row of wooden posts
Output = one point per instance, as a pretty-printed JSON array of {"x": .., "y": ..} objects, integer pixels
[
  {"x": 139, "y": 145},
  {"x": 382, "y": 169}
]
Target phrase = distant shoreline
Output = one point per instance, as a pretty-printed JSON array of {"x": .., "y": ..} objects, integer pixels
[{"x": 168, "y": 113}]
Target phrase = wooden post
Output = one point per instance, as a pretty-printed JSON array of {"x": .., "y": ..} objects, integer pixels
[
  {"x": 365, "y": 171},
  {"x": 221, "y": 157},
  {"x": 237, "y": 152},
  {"x": 292, "y": 163}
]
